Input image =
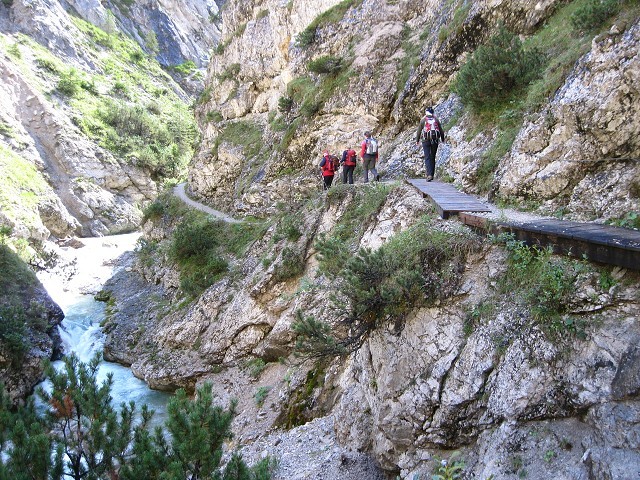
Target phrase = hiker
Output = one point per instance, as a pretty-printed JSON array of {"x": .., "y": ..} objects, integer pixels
[
  {"x": 430, "y": 133},
  {"x": 348, "y": 162},
  {"x": 369, "y": 154},
  {"x": 328, "y": 169}
]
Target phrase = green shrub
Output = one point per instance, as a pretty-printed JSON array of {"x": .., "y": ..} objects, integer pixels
[
  {"x": 261, "y": 395},
  {"x": 496, "y": 70},
  {"x": 230, "y": 73},
  {"x": 244, "y": 133},
  {"x": 336, "y": 13},
  {"x": 14, "y": 50},
  {"x": 214, "y": 116},
  {"x": 306, "y": 37},
  {"x": 325, "y": 64},
  {"x": 193, "y": 236},
  {"x": 137, "y": 56},
  {"x": 205, "y": 96},
  {"x": 414, "y": 268},
  {"x": 186, "y": 68},
  {"x": 594, "y": 13},
  {"x": 196, "y": 275},
  {"x": 288, "y": 227},
  {"x": 162, "y": 144},
  {"x": 255, "y": 367},
  {"x": 202, "y": 247},
  {"x": 13, "y": 332},
  {"x": 47, "y": 65},
  {"x": 120, "y": 88},
  {"x": 291, "y": 264},
  {"x": 542, "y": 282},
  {"x": 70, "y": 83},
  {"x": 337, "y": 246},
  {"x": 285, "y": 104}
]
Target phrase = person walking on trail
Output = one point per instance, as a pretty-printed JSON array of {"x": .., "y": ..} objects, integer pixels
[
  {"x": 348, "y": 161},
  {"x": 328, "y": 169},
  {"x": 369, "y": 154},
  {"x": 430, "y": 133}
]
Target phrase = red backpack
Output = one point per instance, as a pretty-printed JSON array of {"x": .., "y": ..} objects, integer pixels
[{"x": 350, "y": 158}]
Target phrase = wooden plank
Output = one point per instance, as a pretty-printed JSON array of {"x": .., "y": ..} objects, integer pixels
[{"x": 596, "y": 242}]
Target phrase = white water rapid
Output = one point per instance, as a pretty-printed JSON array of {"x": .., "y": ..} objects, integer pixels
[{"x": 91, "y": 266}]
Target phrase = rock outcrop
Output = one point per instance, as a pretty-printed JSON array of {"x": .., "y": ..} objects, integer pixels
[
  {"x": 24, "y": 299},
  {"x": 506, "y": 393},
  {"x": 89, "y": 190},
  {"x": 498, "y": 387}
]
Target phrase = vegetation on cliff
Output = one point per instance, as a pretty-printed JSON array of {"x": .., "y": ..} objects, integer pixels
[{"x": 82, "y": 435}]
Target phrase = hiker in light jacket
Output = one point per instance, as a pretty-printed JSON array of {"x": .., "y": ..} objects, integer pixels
[
  {"x": 430, "y": 133},
  {"x": 369, "y": 154}
]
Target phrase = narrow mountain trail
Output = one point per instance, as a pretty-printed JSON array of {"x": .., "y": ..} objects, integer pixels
[{"x": 180, "y": 192}]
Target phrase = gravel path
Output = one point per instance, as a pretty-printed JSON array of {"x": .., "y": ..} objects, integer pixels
[{"x": 180, "y": 192}]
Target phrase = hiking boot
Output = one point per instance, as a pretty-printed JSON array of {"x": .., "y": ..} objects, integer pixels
[
  {"x": 377, "y": 178},
  {"x": 429, "y": 178}
]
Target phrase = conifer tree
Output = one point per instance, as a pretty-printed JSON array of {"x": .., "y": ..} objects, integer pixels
[{"x": 95, "y": 439}]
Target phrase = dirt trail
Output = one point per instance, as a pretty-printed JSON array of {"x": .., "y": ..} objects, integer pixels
[{"x": 179, "y": 191}]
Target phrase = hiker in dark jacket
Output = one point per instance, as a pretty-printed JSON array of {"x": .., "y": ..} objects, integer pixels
[
  {"x": 328, "y": 169},
  {"x": 348, "y": 161},
  {"x": 369, "y": 154},
  {"x": 430, "y": 133}
]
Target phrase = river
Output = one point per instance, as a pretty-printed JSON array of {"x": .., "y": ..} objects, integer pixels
[{"x": 73, "y": 288}]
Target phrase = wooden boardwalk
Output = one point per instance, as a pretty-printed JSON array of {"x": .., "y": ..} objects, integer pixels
[
  {"x": 595, "y": 242},
  {"x": 447, "y": 199}
]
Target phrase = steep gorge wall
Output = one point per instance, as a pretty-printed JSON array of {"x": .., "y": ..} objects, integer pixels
[
  {"x": 514, "y": 400},
  {"x": 81, "y": 187},
  {"x": 398, "y": 58},
  {"x": 472, "y": 371}
]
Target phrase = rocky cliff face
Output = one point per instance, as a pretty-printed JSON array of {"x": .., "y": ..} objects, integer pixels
[
  {"x": 472, "y": 372},
  {"x": 59, "y": 77},
  {"x": 394, "y": 62},
  {"x": 29, "y": 333},
  {"x": 496, "y": 385}
]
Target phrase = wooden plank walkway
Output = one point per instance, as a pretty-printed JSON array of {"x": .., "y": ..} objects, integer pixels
[
  {"x": 446, "y": 198},
  {"x": 599, "y": 243}
]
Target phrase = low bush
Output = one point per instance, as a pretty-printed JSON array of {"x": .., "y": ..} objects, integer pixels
[
  {"x": 325, "y": 65},
  {"x": 243, "y": 133},
  {"x": 69, "y": 83},
  {"x": 13, "y": 332},
  {"x": 362, "y": 205},
  {"x": 336, "y": 13},
  {"x": 542, "y": 282},
  {"x": 288, "y": 227},
  {"x": 285, "y": 104},
  {"x": 47, "y": 65},
  {"x": 186, "y": 68},
  {"x": 416, "y": 267},
  {"x": 162, "y": 144},
  {"x": 594, "y": 13},
  {"x": 291, "y": 264},
  {"x": 496, "y": 70},
  {"x": 203, "y": 248}
]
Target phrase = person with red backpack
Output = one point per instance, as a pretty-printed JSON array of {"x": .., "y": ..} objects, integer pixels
[
  {"x": 328, "y": 169},
  {"x": 348, "y": 162},
  {"x": 369, "y": 154},
  {"x": 430, "y": 133}
]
